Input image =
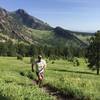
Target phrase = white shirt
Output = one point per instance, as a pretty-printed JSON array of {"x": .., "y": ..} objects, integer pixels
[{"x": 40, "y": 65}]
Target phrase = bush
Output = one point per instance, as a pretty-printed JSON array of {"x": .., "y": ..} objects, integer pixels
[
  {"x": 19, "y": 57},
  {"x": 76, "y": 62},
  {"x": 70, "y": 59},
  {"x": 53, "y": 62},
  {"x": 30, "y": 75},
  {"x": 32, "y": 60},
  {"x": 52, "y": 57},
  {"x": 22, "y": 73}
]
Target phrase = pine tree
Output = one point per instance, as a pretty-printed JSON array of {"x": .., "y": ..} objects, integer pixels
[{"x": 93, "y": 53}]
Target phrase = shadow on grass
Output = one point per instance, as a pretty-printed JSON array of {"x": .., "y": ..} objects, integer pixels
[
  {"x": 4, "y": 98},
  {"x": 23, "y": 84},
  {"x": 8, "y": 81},
  {"x": 80, "y": 72}
]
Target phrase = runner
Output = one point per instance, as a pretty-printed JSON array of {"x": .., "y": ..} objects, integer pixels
[{"x": 40, "y": 67}]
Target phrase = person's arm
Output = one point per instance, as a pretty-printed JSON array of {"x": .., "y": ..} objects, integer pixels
[{"x": 32, "y": 67}]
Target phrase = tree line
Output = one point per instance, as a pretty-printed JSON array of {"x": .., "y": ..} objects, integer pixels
[
  {"x": 10, "y": 49},
  {"x": 91, "y": 52}
]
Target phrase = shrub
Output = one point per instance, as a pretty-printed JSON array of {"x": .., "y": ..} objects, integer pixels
[
  {"x": 22, "y": 73},
  {"x": 53, "y": 62},
  {"x": 77, "y": 62},
  {"x": 32, "y": 60},
  {"x": 30, "y": 75},
  {"x": 19, "y": 57}
]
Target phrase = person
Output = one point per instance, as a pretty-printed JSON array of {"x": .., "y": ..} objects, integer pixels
[{"x": 40, "y": 65}]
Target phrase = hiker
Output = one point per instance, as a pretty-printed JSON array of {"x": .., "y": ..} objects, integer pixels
[{"x": 40, "y": 67}]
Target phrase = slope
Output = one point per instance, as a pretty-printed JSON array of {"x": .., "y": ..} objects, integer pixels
[{"x": 19, "y": 25}]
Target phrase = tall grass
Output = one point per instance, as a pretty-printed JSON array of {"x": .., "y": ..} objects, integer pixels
[
  {"x": 14, "y": 86},
  {"x": 76, "y": 82}
]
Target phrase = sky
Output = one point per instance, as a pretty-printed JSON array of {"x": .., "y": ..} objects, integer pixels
[{"x": 77, "y": 15}]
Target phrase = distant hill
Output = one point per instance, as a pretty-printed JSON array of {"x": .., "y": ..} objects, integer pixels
[
  {"x": 19, "y": 25},
  {"x": 29, "y": 20},
  {"x": 68, "y": 36},
  {"x": 83, "y": 36}
]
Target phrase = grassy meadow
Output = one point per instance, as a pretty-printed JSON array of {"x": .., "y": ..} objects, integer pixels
[{"x": 77, "y": 82}]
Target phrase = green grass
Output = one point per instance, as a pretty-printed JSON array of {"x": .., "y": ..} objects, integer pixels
[
  {"x": 14, "y": 86},
  {"x": 49, "y": 38},
  {"x": 84, "y": 38},
  {"x": 74, "y": 81},
  {"x": 79, "y": 82}
]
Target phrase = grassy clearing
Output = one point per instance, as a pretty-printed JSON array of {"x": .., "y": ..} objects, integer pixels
[
  {"x": 77, "y": 82},
  {"x": 14, "y": 86},
  {"x": 74, "y": 81},
  {"x": 84, "y": 38}
]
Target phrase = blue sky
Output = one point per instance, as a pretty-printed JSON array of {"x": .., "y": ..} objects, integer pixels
[{"x": 80, "y": 15}]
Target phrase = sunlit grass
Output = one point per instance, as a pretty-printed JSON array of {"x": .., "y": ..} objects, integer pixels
[
  {"x": 14, "y": 86},
  {"x": 76, "y": 81}
]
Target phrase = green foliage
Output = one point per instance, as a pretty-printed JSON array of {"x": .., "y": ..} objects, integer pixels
[
  {"x": 93, "y": 52},
  {"x": 29, "y": 74},
  {"x": 3, "y": 49},
  {"x": 76, "y": 62},
  {"x": 10, "y": 49},
  {"x": 32, "y": 60},
  {"x": 7, "y": 49},
  {"x": 22, "y": 49},
  {"x": 19, "y": 57},
  {"x": 75, "y": 82},
  {"x": 84, "y": 36},
  {"x": 15, "y": 83}
]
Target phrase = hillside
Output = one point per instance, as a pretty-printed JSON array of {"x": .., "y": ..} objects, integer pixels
[
  {"x": 13, "y": 24},
  {"x": 83, "y": 36},
  {"x": 19, "y": 25}
]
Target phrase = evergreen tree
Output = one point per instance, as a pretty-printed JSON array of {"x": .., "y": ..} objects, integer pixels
[
  {"x": 3, "y": 49},
  {"x": 33, "y": 51},
  {"x": 21, "y": 49},
  {"x": 11, "y": 48},
  {"x": 93, "y": 53}
]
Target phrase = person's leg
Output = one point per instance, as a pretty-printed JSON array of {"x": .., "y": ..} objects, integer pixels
[
  {"x": 37, "y": 81},
  {"x": 41, "y": 77}
]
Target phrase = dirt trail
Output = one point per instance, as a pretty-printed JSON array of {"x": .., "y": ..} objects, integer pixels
[
  {"x": 53, "y": 92},
  {"x": 58, "y": 95}
]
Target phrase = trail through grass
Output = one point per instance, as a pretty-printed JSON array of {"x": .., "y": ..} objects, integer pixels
[
  {"x": 14, "y": 86},
  {"x": 73, "y": 82}
]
